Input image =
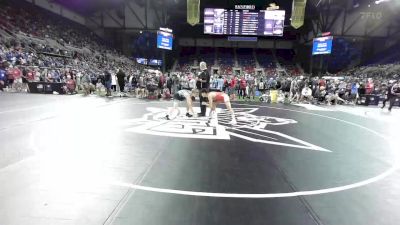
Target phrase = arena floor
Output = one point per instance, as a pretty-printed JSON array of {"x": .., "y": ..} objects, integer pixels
[{"x": 89, "y": 160}]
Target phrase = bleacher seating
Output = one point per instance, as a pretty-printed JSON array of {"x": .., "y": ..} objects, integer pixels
[
  {"x": 25, "y": 18},
  {"x": 186, "y": 59},
  {"x": 285, "y": 56},
  {"x": 265, "y": 58},
  {"x": 246, "y": 60},
  {"x": 33, "y": 38},
  {"x": 225, "y": 60},
  {"x": 207, "y": 55},
  {"x": 388, "y": 56},
  {"x": 343, "y": 53}
]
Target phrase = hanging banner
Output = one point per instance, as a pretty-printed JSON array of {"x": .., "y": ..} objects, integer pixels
[
  {"x": 298, "y": 11},
  {"x": 193, "y": 12}
]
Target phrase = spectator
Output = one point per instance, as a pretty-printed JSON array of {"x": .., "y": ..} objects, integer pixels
[
  {"x": 252, "y": 86},
  {"x": 242, "y": 88},
  {"x": 107, "y": 82},
  {"x": 220, "y": 83},
  {"x": 232, "y": 87},
  {"x": 393, "y": 91},
  {"x": 169, "y": 83},
  {"x": 70, "y": 85},
  {"x": 113, "y": 81},
  {"x": 86, "y": 84},
  {"x": 192, "y": 83},
  {"x": 261, "y": 86},
  {"x": 3, "y": 79},
  {"x": 121, "y": 81}
]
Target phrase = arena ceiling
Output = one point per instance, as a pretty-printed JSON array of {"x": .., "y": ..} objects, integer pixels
[
  {"x": 88, "y": 7},
  {"x": 176, "y": 9},
  {"x": 321, "y": 12},
  {"x": 179, "y": 6}
]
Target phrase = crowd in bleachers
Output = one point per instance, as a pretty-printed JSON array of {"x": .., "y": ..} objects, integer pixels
[
  {"x": 247, "y": 61},
  {"x": 347, "y": 87},
  {"x": 28, "y": 19},
  {"x": 186, "y": 58},
  {"x": 265, "y": 58},
  {"x": 225, "y": 60},
  {"x": 362, "y": 85},
  {"x": 35, "y": 48}
]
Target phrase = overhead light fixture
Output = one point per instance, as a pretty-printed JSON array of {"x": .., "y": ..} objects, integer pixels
[
  {"x": 356, "y": 3},
  {"x": 380, "y": 1}
]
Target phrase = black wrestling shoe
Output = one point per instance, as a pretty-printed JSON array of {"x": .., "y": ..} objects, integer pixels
[
  {"x": 167, "y": 117},
  {"x": 189, "y": 115},
  {"x": 200, "y": 115}
]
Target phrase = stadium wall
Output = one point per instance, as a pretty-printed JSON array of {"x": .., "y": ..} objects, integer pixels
[{"x": 210, "y": 42}]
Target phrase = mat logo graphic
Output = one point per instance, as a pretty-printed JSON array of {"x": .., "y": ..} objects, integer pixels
[{"x": 249, "y": 127}]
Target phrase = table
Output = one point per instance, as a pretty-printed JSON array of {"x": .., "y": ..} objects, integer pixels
[{"x": 46, "y": 87}]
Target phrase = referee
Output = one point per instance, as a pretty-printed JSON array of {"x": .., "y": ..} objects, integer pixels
[{"x": 203, "y": 82}]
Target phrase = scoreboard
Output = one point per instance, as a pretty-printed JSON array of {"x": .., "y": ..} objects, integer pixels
[
  {"x": 244, "y": 22},
  {"x": 322, "y": 45},
  {"x": 165, "y": 39}
]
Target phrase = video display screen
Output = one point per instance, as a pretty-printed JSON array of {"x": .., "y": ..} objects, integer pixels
[
  {"x": 150, "y": 62},
  {"x": 322, "y": 45},
  {"x": 244, "y": 22},
  {"x": 155, "y": 62},
  {"x": 164, "y": 40},
  {"x": 142, "y": 61}
]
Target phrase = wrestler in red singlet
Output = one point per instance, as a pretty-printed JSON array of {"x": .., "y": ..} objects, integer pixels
[{"x": 219, "y": 97}]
